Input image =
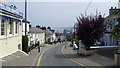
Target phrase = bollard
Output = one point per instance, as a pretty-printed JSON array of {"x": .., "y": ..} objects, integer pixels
[
  {"x": 65, "y": 46},
  {"x": 117, "y": 59},
  {"x": 38, "y": 48}
]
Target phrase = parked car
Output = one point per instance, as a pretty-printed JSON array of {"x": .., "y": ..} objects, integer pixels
[{"x": 98, "y": 44}]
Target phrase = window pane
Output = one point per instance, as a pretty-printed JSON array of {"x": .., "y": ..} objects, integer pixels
[
  {"x": 3, "y": 27},
  {"x": 16, "y": 27},
  {"x": 11, "y": 27},
  {"x": 2, "y": 33}
]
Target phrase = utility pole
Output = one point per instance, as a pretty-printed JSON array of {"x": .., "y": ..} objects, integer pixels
[
  {"x": 25, "y": 17},
  {"x": 74, "y": 31}
]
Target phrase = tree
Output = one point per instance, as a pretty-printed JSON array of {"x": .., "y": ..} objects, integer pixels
[
  {"x": 25, "y": 46},
  {"x": 116, "y": 30},
  {"x": 89, "y": 29}
]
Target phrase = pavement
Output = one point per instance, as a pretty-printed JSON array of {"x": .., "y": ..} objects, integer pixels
[
  {"x": 97, "y": 58},
  {"x": 21, "y": 59}
]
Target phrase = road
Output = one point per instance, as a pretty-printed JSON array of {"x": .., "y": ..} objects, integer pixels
[{"x": 54, "y": 57}]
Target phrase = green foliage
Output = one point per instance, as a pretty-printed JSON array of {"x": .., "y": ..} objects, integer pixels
[
  {"x": 76, "y": 41},
  {"x": 116, "y": 31},
  {"x": 25, "y": 46},
  {"x": 73, "y": 39},
  {"x": 45, "y": 42}
]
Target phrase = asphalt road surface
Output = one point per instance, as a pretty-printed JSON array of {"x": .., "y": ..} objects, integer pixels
[{"x": 54, "y": 57}]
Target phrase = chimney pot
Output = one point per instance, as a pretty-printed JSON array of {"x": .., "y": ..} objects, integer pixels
[{"x": 111, "y": 7}]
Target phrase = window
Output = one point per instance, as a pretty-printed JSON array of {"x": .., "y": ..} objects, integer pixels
[
  {"x": 11, "y": 27},
  {"x": 3, "y": 27},
  {"x": 16, "y": 27}
]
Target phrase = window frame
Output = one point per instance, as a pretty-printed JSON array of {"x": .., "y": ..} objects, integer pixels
[
  {"x": 17, "y": 23},
  {"x": 11, "y": 32},
  {"x": 5, "y": 27}
]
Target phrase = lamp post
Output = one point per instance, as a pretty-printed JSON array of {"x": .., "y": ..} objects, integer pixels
[{"x": 25, "y": 17}]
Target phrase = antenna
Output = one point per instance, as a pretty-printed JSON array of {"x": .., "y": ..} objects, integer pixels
[{"x": 88, "y": 6}]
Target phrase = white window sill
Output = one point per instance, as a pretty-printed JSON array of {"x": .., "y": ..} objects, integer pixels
[
  {"x": 3, "y": 37},
  {"x": 16, "y": 35},
  {"x": 10, "y": 35}
]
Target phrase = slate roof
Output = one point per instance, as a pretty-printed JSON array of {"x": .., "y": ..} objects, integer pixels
[
  {"x": 114, "y": 14},
  {"x": 48, "y": 32},
  {"x": 36, "y": 30}
]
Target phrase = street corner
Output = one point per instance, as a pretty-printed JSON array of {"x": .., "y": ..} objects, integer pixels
[{"x": 14, "y": 56}]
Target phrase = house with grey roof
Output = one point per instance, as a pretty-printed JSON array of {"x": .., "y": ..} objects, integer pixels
[{"x": 35, "y": 35}]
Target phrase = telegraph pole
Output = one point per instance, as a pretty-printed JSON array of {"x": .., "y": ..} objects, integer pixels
[{"x": 25, "y": 17}]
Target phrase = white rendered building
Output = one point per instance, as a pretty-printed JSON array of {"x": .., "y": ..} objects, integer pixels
[
  {"x": 36, "y": 35},
  {"x": 10, "y": 30}
]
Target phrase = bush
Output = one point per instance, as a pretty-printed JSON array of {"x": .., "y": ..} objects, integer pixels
[{"x": 25, "y": 46}]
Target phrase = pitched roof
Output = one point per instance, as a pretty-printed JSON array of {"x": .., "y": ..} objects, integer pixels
[
  {"x": 48, "y": 32},
  {"x": 36, "y": 30},
  {"x": 114, "y": 14}
]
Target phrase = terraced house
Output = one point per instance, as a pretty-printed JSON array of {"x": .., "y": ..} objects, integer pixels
[
  {"x": 10, "y": 29},
  {"x": 111, "y": 22}
]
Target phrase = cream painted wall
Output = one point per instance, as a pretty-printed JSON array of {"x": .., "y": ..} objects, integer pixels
[
  {"x": 3, "y": 1},
  {"x": 9, "y": 43},
  {"x": 41, "y": 38}
]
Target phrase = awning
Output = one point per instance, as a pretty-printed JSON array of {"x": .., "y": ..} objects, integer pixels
[{"x": 10, "y": 17}]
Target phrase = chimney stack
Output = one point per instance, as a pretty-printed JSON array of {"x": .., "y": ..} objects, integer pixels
[{"x": 30, "y": 26}]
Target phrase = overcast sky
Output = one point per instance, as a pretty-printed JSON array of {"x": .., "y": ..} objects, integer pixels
[
  {"x": 61, "y": 13},
  {"x": 63, "y": 0}
]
